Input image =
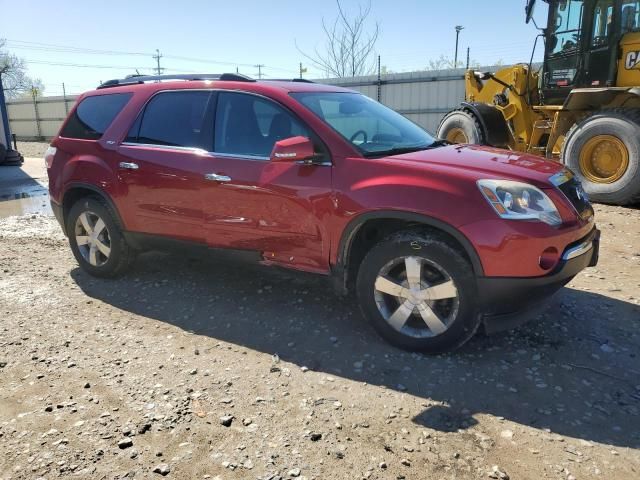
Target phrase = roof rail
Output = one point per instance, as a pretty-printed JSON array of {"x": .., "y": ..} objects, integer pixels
[
  {"x": 297, "y": 80},
  {"x": 137, "y": 79}
]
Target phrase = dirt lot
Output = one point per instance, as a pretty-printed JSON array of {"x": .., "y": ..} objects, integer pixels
[{"x": 210, "y": 368}]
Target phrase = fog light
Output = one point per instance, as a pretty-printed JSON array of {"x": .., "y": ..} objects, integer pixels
[{"x": 549, "y": 258}]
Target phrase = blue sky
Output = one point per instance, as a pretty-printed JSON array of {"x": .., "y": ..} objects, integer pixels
[{"x": 245, "y": 33}]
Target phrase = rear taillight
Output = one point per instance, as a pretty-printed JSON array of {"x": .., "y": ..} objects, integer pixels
[{"x": 48, "y": 156}]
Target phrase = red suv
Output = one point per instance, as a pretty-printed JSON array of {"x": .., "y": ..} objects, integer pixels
[{"x": 435, "y": 239}]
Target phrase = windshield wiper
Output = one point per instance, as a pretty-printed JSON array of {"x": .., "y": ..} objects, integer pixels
[
  {"x": 440, "y": 143},
  {"x": 400, "y": 149}
]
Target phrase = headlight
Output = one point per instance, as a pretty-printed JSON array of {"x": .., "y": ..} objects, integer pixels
[{"x": 519, "y": 201}]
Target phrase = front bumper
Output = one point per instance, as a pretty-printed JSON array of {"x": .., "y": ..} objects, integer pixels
[{"x": 508, "y": 302}]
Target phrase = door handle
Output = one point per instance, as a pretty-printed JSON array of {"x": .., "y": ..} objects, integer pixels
[
  {"x": 129, "y": 166},
  {"x": 214, "y": 177}
]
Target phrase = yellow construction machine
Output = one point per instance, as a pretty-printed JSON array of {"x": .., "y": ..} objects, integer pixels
[{"x": 582, "y": 106}]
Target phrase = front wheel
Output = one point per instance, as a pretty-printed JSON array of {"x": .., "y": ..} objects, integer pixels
[
  {"x": 419, "y": 293},
  {"x": 461, "y": 126},
  {"x": 604, "y": 151}
]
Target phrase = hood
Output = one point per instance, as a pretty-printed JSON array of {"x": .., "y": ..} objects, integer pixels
[{"x": 476, "y": 162}]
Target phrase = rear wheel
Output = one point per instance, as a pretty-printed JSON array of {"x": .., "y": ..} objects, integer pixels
[
  {"x": 604, "y": 151},
  {"x": 96, "y": 238},
  {"x": 419, "y": 293},
  {"x": 461, "y": 126}
]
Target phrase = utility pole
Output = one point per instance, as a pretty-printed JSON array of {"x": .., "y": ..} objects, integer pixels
[
  {"x": 157, "y": 58},
  {"x": 379, "y": 90},
  {"x": 64, "y": 97},
  {"x": 300, "y": 69},
  {"x": 259, "y": 67},
  {"x": 468, "y": 56},
  {"x": 459, "y": 28}
]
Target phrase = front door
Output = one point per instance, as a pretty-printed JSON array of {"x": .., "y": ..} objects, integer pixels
[
  {"x": 162, "y": 163},
  {"x": 250, "y": 203}
]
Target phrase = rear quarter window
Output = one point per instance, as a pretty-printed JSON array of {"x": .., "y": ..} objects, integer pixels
[{"x": 93, "y": 116}]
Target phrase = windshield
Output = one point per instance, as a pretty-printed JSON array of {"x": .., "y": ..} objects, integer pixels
[{"x": 373, "y": 128}]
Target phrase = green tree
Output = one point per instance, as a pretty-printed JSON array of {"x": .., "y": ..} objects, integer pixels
[{"x": 15, "y": 80}]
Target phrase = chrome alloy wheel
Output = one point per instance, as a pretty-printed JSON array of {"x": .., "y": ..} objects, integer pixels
[
  {"x": 416, "y": 296},
  {"x": 92, "y": 238}
]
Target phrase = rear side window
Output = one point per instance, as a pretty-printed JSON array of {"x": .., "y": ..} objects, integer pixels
[
  {"x": 93, "y": 116},
  {"x": 177, "y": 119}
]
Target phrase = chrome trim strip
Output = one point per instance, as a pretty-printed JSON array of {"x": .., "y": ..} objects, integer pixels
[
  {"x": 578, "y": 250},
  {"x": 239, "y": 156},
  {"x": 561, "y": 177},
  {"x": 165, "y": 147},
  {"x": 199, "y": 151}
]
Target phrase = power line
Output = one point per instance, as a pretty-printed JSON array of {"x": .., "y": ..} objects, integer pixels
[
  {"x": 83, "y": 65},
  {"x": 259, "y": 67},
  {"x": 23, "y": 44},
  {"x": 49, "y": 47}
]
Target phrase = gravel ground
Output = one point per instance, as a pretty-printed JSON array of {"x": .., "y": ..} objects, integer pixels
[
  {"x": 33, "y": 149},
  {"x": 209, "y": 368}
]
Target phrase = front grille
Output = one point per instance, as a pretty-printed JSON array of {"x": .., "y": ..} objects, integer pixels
[{"x": 573, "y": 190}]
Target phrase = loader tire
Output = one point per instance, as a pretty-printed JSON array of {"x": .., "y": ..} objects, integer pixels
[
  {"x": 603, "y": 150},
  {"x": 461, "y": 126}
]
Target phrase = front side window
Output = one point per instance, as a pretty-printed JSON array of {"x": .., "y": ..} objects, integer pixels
[
  {"x": 248, "y": 125},
  {"x": 94, "y": 115},
  {"x": 176, "y": 119},
  {"x": 370, "y": 126},
  {"x": 566, "y": 23}
]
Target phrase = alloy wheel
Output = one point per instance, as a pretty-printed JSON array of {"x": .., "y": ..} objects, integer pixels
[
  {"x": 92, "y": 238},
  {"x": 416, "y": 297}
]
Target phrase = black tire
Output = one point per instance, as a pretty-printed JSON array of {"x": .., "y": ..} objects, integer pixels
[
  {"x": 464, "y": 121},
  {"x": 436, "y": 250},
  {"x": 121, "y": 255},
  {"x": 3, "y": 153},
  {"x": 623, "y": 124}
]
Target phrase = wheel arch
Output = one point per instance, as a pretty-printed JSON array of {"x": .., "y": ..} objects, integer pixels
[
  {"x": 77, "y": 190},
  {"x": 492, "y": 122},
  {"x": 391, "y": 221}
]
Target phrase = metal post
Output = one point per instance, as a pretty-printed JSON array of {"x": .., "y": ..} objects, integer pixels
[
  {"x": 459, "y": 28},
  {"x": 300, "y": 69},
  {"x": 379, "y": 81},
  {"x": 4, "y": 117},
  {"x": 468, "y": 57},
  {"x": 34, "y": 94},
  {"x": 64, "y": 96}
]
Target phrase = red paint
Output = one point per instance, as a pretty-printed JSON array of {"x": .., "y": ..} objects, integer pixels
[{"x": 297, "y": 214}]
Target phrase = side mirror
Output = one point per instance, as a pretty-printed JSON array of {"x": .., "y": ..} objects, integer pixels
[
  {"x": 529, "y": 9},
  {"x": 293, "y": 149}
]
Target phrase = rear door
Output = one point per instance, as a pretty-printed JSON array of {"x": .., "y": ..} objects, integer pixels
[{"x": 161, "y": 164}]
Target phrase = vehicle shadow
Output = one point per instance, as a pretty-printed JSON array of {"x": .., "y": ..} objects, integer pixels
[{"x": 574, "y": 371}]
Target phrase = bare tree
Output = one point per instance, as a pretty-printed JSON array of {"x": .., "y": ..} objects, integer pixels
[
  {"x": 15, "y": 80},
  {"x": 348, "y": 49},
  {"x": 443, "y": 62}
]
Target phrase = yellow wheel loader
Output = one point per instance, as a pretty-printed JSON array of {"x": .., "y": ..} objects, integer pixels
[{"x": 581, "y": 107}]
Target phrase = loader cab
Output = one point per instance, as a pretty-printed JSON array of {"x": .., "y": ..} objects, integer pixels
[{"x": 582, "y": 44}]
